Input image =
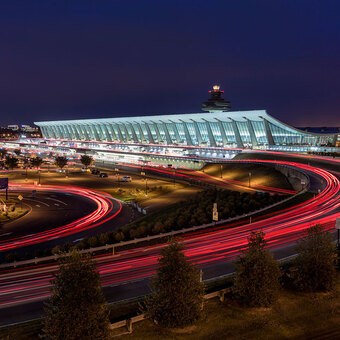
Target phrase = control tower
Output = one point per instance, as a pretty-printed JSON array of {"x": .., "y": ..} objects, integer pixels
[{"x": 216, "y": 102}]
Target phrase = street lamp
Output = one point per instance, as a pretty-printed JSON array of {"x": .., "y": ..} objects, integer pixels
[
  {"x": 146, "y": 182},
  {"x": 221, "y": 170},
  {"x": 39, "y": 177},
  {"x": 249, "y": 174}
]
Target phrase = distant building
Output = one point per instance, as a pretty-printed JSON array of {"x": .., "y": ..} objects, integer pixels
[
  {"x": 13, "y": 131},
  {"x": 13, "y": 127}
]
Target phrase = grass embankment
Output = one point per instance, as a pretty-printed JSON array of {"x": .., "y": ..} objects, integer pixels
[
  {"x": 295, "y": 316},
  {"x": 261, "y": 175},
  {"x": 14, "y": 210}
]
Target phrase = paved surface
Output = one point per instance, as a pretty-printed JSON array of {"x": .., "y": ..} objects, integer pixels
[{"x": 51, "y": 210}]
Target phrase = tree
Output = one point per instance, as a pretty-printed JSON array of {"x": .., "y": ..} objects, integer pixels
[
  {"x": 3, "y": 153},
  {"x": 256, "y": 280},
  {"x": 177, "y": 293},
  {"x": 86, "y": 160},
  {"x": 36, "y": 162},
  {"x": 17, "y": 152},
  {"x": 60, "y": 161},
  {"x": 316, "y": 261},
  {"x": 77, "y": 308},
  {"x": 11, "y": 162}
]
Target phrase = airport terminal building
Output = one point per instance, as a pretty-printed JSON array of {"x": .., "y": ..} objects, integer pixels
[
  {"x": 216, "y": 133},
  {"x": 233, "y": 129},
  {"x": 219, "y": 127}
]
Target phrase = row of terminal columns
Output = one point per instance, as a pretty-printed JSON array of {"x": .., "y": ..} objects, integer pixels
[{"x": 127, "y": 132}]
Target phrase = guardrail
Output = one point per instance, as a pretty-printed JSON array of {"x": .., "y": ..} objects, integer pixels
[
  {"x": 218, "y": 293},
  {"x": 148, "y": 238},
  {"x": 130, "y": 321}
]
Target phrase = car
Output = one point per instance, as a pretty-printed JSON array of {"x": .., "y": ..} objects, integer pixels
[
  {"x": 126, "y": 179},
  {"x": 95, "y": 172},
  {"x": 103, "y": 174}
]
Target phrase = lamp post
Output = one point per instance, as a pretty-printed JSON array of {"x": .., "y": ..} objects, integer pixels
[
  {"x": 221, "y": 170},
  {"x": 249, "y": 177},
  {"x": 39, "y": 177},
  {"x": 116, "y": 170}
]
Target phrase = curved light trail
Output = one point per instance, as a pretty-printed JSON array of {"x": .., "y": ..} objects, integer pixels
[
  {"x": 195, "y": 175},
  {"x": 104, "y": 207},
  {"x": 205, "y": 248}
]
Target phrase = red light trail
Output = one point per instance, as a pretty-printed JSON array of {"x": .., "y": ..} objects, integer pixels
[
  {"x": 104, "y": 206},
  {"x": 204, "y": 248}
]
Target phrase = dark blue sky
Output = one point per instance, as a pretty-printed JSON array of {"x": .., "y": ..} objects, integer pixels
[{"x": 89, "y": 59}]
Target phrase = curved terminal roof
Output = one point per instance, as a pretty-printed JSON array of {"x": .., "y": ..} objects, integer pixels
[{"x": 254, "y": 127}]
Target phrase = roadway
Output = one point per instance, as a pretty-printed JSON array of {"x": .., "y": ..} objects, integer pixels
[
  {"x": 59, "y": 215},
  {"x": 127, "y": 273}
]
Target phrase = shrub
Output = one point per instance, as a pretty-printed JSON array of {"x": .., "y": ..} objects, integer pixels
[
  {"x": 316, "y": 261},
  {"x": 177, "y": 293},
  {"x": 256, "y": 280}
]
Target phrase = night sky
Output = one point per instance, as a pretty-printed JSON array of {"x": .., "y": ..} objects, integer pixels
[{"x": 108, "y": 58}]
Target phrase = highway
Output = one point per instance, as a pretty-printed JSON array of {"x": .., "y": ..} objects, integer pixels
[{"x": 127, "y": 273}]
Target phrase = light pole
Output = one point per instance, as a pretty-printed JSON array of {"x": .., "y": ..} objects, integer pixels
[
  {"x": 221, "y": 170},
  {"x": 117, "y": 174},
  {"x": 249, "y": 174},
  {"x": 39, "y": 177}
]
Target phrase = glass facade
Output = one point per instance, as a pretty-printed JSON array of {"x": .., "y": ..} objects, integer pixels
[{"x": 213, "y": 129}]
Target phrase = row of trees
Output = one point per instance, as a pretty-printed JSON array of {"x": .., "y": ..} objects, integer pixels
[
  {"x": 60, "y": 161},
  {"x": 77, "y": 308},
  {"x": 198, "y": 210}
]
